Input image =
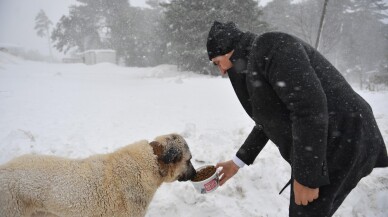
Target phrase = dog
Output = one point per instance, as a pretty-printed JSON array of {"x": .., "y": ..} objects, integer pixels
[{"x": 117, "y": 184}]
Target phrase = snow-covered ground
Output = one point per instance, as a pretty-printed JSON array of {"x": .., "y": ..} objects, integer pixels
[{"x": 74, "y": 110}]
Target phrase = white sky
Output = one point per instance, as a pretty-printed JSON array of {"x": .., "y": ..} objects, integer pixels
[{"x": 17, "y": 20}]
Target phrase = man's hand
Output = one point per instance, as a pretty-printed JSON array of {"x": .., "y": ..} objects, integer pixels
[
  {"x": 229, "y": 169},
  {"x": 304, "y": 195}
]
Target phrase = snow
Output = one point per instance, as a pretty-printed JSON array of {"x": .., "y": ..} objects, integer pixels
[
  {"x": 75, "y": 111},
  {"x": 98, "y": 51}
]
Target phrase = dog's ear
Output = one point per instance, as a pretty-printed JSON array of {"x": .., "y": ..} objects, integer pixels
[
  {"x": 172, "y": 155},
  {"x": 158, "y": 151},
  {"x": 157, "y": 147}
]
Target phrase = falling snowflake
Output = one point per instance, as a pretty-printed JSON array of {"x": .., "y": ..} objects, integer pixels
[
  {"x": 281, "y": 84},
  {"x": 256, "y": 83}
]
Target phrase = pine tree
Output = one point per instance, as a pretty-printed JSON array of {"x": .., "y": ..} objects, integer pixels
[
  {"x": 278, "y": 15},
  {"x": 42, "y": 27},
  {"x": 364, "y": 31},
  {"x": 119, "y": 28},
  {"x": 353, "y": 32},
  {"x": 188, "y": 23},
  {"x": 147, "y": 45},
  {"x": 84, "y": 28},
  {"x": 153, "y": 3},
  {"x": 132, "y": 32}
]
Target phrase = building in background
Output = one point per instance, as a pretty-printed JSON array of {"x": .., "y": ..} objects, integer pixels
[
  {"x": 91, "y": 57},
  {"x": 11, "y": 48}
]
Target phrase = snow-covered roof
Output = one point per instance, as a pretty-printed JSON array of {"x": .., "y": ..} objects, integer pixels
[
  {"x": 98, "y": 51},
  {"x": 9, "y": 45}
]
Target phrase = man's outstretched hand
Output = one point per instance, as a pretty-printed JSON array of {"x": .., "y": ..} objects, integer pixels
[
  {"x": 229, "y": 169},
  {"x": 304, "y": 195}
]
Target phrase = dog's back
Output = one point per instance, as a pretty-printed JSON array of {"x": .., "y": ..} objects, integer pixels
[{"x": 32, "y": 182}]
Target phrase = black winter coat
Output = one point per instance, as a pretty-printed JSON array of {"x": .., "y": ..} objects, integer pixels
[{"x": 299, "y": 101}]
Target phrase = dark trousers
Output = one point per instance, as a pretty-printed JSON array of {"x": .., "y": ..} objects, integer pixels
[
  {"x": 330, "y": 196},
  {"x": 324, "y": 206}
]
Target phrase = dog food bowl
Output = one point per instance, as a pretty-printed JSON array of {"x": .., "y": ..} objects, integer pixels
[{"x": 206, "y": 180}]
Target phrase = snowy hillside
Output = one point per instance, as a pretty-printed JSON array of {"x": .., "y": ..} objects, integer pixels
[{"x": 74, "y": 110}]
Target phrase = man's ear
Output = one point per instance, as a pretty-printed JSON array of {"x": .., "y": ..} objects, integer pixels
[{"x": 172, "y": 155}]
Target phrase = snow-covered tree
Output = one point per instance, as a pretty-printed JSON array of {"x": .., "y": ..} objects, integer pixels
[
  {"x": 42, "y": 26},
  {"x": 352, "y": 37},
  {"x": 364, "y": 44},
  {"x": 188, "y": 23},
  {"x": 132, "y": 32},
  {"x": 79, "y": 30}
]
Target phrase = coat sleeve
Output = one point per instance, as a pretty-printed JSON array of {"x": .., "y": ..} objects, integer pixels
[
  {"x": 252, "y": 146},
  {"x": 238, "y": 81},
  {"x": 295, "y": 82},
  {"x": 257, "y": 138}
]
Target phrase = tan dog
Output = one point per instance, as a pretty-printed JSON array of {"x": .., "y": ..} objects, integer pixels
[{"x": 121, "y": 183}]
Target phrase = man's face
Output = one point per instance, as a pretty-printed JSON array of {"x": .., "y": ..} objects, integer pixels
[{"x": 223, "y": 62}]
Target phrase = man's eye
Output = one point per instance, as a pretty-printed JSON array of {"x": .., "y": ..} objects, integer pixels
[{"x": 214, "y": 63}]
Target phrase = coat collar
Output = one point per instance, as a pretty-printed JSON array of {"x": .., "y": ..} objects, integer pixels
[
  {"x": 237, "y": 74},
  {"x": 242, "y": 52}
]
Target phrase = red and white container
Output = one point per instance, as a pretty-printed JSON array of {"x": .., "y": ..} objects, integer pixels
[{"x": 208, "y": 185}]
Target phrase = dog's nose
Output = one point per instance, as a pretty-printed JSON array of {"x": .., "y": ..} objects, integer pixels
[
  {"x": 189, "y": 175},
  {"x": 192, "y": 172}
]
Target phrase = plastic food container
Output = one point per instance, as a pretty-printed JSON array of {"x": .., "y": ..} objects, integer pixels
[{"x": 206, "y": 181}]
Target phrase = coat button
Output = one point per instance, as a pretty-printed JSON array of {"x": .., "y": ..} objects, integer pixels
[
  {"x": 324, "y": 169},
  {"x": 260, "y": 126}
]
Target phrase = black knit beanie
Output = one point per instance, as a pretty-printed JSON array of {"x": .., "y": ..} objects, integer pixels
[{"x": 222, "y": 38}]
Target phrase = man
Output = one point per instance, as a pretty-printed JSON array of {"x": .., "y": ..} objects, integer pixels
[{"x": 300, "y": 102}]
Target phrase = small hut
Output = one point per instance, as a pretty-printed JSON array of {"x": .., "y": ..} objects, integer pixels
[{"x": 91, "y": 57}]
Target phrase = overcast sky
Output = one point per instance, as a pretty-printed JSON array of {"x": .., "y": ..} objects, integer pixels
[{"x": 17, "y": 20}]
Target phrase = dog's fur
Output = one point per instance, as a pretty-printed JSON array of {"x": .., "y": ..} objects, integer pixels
[{"x": 121, "y": 183}]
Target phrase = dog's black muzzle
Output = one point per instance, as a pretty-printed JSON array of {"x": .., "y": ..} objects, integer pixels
[{"x": 189, "y": 174}]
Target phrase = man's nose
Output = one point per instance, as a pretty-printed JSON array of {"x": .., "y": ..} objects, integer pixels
[{"x": 221, "y": 69}]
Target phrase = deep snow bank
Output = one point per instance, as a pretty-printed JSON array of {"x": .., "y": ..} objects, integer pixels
[{"x": 74, "y": 110}]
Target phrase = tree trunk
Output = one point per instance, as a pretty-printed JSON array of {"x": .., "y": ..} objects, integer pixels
[
  {"x": 321, "y": 24},
  {"x": 49, "y": 45}
]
